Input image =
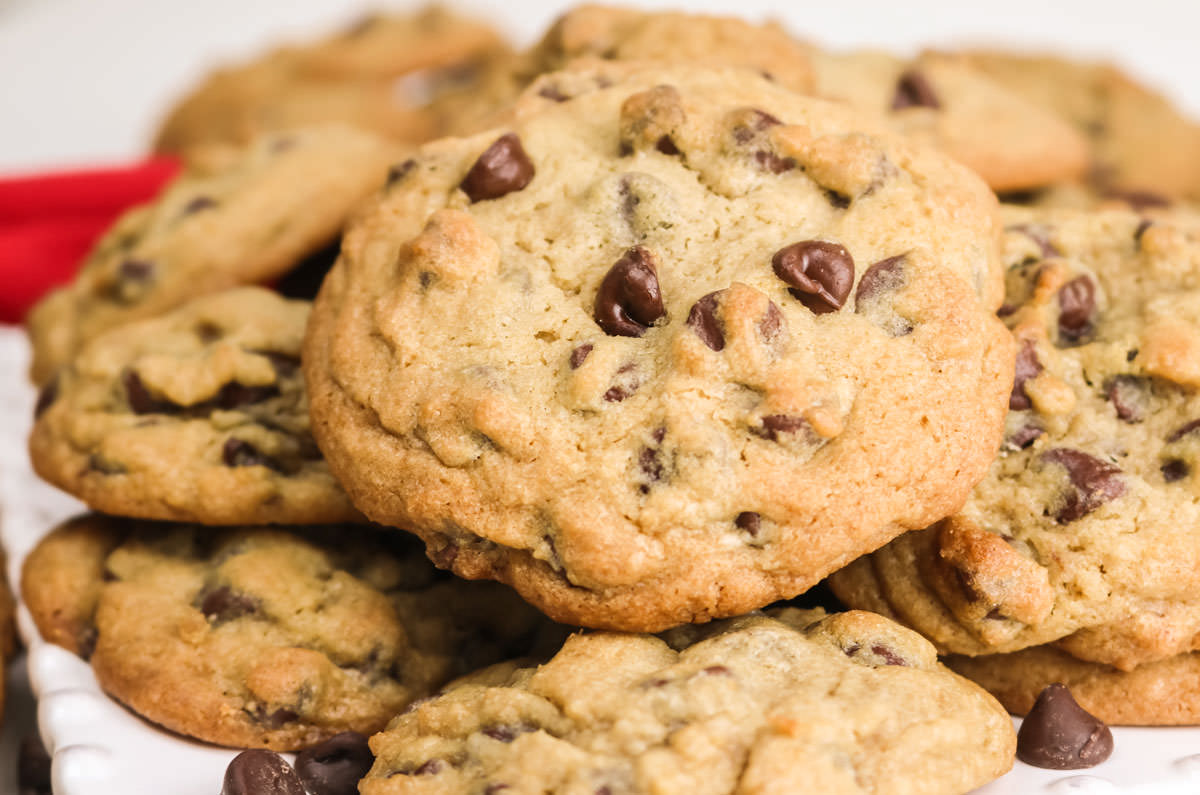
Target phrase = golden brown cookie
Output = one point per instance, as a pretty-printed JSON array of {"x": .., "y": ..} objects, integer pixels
[
  {"x": 252, "y": 636},
  {"x": 668, "y": 349}
]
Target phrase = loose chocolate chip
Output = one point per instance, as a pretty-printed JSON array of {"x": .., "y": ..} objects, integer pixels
[
  {"x": 703, "y": 320},
  {"x": 222, "y": 604},
  {"x": 579, "y": 355},
  {"x": 335, "y": 766},
  {"x": 1175, "y": 470},
  {"x": 1127, "y": 393},
  {"x": 913, "y": 90},
  {"x": 1094, "y": 482},
  {"x": 140, "y": 400},
  {"x": 820, "y": 273},
  {"x": 1058, "y": 734},
  {"x": 889, "y": 656},
  {"x": 47, "y": 396},
  {"x": 1076, "y": 302},
  {"x": 1183, "y": 430},
  {"x": 199, "y": 203},
  {"x": 629, "y": 299},
  {"x": 398, "y": 172},
  {"x": 501, "y": 169},
  {"x": 1028, "y": 367},
  {"x": 1039, "y": 235},
  {"x": 261, "y": 772},
  {"x": 775, "y": 424},
  {"x": 1024, "y": 436},
  {"x": 33, "y": 767},
  {"x": 749, "y": 521},
  {"x": 234, "y": 395},
  {"x": 1139, "y": 199},
  {"x": 239, "y": 453}
]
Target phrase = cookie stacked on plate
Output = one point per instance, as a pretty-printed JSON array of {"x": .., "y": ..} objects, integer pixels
[{"x": 688, "y": 317}]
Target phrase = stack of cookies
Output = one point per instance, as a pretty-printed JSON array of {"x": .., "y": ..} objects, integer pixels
[{"x": 667, "y": 318}]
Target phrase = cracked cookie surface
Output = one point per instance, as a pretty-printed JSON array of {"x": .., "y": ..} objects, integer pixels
[
  {"x": 798, "y": 702},
  {"x": 261, "y": 637},
  {"x": 199, "y": 415},
  {"x": 667, "y": 350},
  {"x": 244, "y": 217},
  {"x": 1082, "y": 531}
]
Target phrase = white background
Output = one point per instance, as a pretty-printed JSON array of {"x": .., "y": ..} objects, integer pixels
[{"x": 84, "y": 81}]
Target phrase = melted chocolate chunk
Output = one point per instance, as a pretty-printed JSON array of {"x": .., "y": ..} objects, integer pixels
[
  {"x": 261, "y": 772},
  {"x": 579, "y": 355},
  {"x": 1058, "y": 734},
  {"x": 750, "y": 522},
  {"x": 1076, "y": 303},
  {"x": 1093, "y": 482},
  {"x": 239, "y": 453},
  {"x": 335, "y": 766},
  {"x": 222, "y": 604},
  {"x": 1028, "y": 367},
  {"x": 820, "y": 273},
  {"x": 703, "y": 320},
  {"x": 1127, "y": 393},
  {"x": 503, "y": 167},
  {"x": 629, "y": 300},
  {"x": 914, "y": 91},
  {"x": 1175, "y": 470}
]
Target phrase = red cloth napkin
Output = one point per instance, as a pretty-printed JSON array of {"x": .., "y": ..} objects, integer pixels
[{"x": 48, "y": 222}]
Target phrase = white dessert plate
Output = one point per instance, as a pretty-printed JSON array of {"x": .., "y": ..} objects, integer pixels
[{"x": 101, "y": 748}]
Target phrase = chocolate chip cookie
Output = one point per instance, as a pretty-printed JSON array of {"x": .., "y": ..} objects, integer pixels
[
  {"x": 668, "y": 348},
  {"x": 942, "y": 101},
  {"x": 253, "y": 636},
  {"x": 1160, "y": 693},
  {"x": 246, "y": 217},
  {"x": 1140, "y": 142},
  {"x": 1082, "y": 531},
  {"x": 199, "y": 415},
  {"x": 378, "y": 74},
  {"x": 802, "y": 702}
]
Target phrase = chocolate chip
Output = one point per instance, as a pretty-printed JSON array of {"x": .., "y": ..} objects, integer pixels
[
  {"x": 199, "y": 203},
  {"x": 444, "y": 557},
  {"x": 1142, "y": 226},
  {"x": 769, "y": 161},
  {"x": 775, "y": 424},
  {"x": 750, "y": 522},
  {"x": 703, "y": 320},
  {"x": 234, "y": 395},
  {"x": 139, "y": 398},
  {"x": 1175, "y": 470},
  {"x": 239, "y": 453},
  {"x": 839, "y": 201},
  {"x": 552, "y": 93},
  {"x": 1094, "y": 482},
  {"x": 507, "y": 733},
  {"x": 1139, "y": 199},
  {"x": 1183, "y": 430},
  {"x": 1127, "y": 393},
  {"x": 1076, "y": 302},
  {"x": 261, "y": 772},
  {"x": 134, "y": 270},
  {"x": 33, "y": 767},
  {"x": 492, "y": 789},
  {"x": 666, "y": 146},
  {"x": 1024, "y": 436},
  {"x": 753, "y": 122},
  {"x": 626, "y": 384},
  {"x": 579, "y": 355},
  {"x": 1058, "y": 734},
  {"x": 1028, "y": 367},
  {"x": 399, "y": 171},
  {"x": 501, "y": 169},
  {"x": 716, "y": 670},
  {"x": 222, "y": 604},
  {"x": 46, "y": 396},
  {"x": 284, "y": 364},
  {"x": 276, "y": 719},
  {"x": 86, "y": 640},
  {"x": 820, "y": 273},
  {"x": 885, "y": 276},
  {"x": 335, "y": 766},
  {"x": 889, "y": 656},
  {"x": 629, "y": 299},
  {"x": 1039, "y": 235},
  {"x": 430, "y": 768},
  {"x": 650, "y": 467},
  {"x": 771, "y": 325},
  {"x": 913, "y": 90}
]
